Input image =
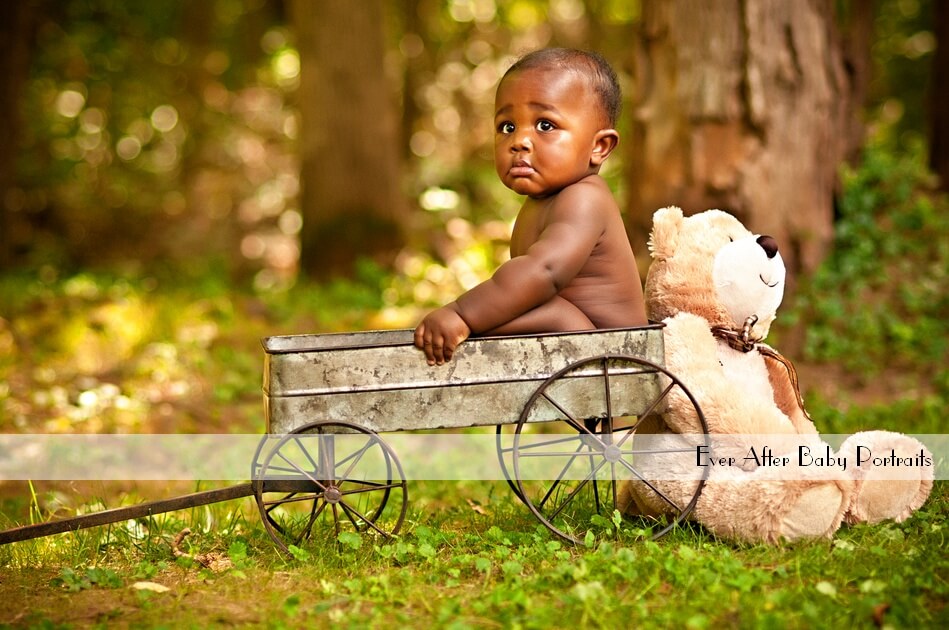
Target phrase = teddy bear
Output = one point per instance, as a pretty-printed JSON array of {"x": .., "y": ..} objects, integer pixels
[{"x": 716, "y": 287}]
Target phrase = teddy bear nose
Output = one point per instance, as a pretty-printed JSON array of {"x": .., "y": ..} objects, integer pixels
[{"x": 768, "y": 244}]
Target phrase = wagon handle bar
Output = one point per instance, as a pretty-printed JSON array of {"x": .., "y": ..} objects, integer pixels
[{"x": 116, "y": 515}]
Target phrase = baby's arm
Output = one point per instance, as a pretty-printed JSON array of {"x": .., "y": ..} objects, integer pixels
[
  {"x": 555, "y": 315},
  {"x": 575, "y": 225}
]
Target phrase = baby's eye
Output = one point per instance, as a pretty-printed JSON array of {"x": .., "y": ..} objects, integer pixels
[
  {"x": 506, "y": 127},
  {"x": 545, "y": 125}
]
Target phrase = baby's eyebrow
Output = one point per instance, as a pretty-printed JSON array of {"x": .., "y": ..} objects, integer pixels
[{"x": 535, "y": 105}]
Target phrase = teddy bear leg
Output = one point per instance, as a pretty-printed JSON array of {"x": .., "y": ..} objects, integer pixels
[
  {"x": 884, "y": 487},
  {"x": 673, "y": 482},
  {"x": 631, "y": 500},
  {"x": 771, "y": 510}
]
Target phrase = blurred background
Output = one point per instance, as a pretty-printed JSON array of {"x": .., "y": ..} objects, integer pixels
[{"x": 178, "y": 178}]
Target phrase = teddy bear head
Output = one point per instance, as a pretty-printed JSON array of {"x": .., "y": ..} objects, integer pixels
[{"x": 710, "y": 265}]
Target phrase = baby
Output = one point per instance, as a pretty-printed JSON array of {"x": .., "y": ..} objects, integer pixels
[{"x": 571, "y": 267}]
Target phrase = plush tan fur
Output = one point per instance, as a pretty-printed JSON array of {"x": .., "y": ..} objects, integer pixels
[{"x": 746, "y": 394}]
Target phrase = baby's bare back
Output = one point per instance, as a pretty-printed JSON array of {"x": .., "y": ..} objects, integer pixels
[{"x": 582, "y": 234}]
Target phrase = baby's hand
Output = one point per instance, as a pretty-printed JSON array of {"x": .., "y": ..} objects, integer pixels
[{"x": 440, "y": 333}]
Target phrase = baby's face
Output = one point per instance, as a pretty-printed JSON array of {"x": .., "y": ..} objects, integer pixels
[{"x": 546, "y": 124}]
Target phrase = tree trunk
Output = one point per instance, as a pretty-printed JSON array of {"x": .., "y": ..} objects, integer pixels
[
  {"x": 351, "y": 200},
  {"x": 744, "y": 106},
  {"x": 857, "y": 38},
  {"x": 17, "y": 23},
  {"x": 939, "y": 139}
]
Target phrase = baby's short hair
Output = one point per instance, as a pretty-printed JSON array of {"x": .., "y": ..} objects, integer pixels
[{"x": 589, "y": 63}]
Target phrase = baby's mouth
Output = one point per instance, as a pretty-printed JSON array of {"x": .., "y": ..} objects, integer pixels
[{"x": 521, "y": 169}]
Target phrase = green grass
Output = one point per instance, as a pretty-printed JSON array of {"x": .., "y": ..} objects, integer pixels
[{"x": 457, "y": 567}]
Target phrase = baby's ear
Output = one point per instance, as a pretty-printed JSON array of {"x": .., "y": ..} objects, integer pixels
[{"x": 604, "y": 142}]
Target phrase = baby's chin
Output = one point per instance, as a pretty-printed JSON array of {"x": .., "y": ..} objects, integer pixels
[{"x": 528, "y": 188}]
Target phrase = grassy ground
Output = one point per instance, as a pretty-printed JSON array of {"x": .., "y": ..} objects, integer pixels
[{"x": 471, "y": 557}]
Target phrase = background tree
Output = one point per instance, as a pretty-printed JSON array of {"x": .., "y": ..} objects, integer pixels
[
  {"x": 743, "y": 106},
  {"x": 352, "y": 203},
  {"x": 17, "y": 24},
  {"x": 170, "y": 132},
  {"x": 939, "y": 103}
]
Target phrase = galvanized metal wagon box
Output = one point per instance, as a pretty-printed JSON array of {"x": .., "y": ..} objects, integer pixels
[{"x": 382, "y": 382}]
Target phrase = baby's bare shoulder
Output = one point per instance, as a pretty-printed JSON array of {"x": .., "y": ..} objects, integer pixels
[{"x": 590, "y": 194}]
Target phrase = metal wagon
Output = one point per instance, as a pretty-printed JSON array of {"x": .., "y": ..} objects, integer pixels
[{"x": 568, "y": 408}]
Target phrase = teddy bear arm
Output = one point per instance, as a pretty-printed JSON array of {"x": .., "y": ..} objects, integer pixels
[{"x": 690, "y": 347}]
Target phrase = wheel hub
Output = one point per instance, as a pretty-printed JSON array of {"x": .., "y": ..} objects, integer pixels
[
  {"x": 612, "y": 453},
  {"x": 332, "y": 495}
]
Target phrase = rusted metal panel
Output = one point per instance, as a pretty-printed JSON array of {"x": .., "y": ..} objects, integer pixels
[{"x": 380, "y": 381}]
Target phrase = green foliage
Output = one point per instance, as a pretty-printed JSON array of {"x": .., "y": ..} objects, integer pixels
[
  {"x": 902, "y": 53},
  {"x": 72, "y": 580},
  {"x": 145, "y": 125},
  {"x": 913, "y": 414},
  {"x": 882, "y": 297}
]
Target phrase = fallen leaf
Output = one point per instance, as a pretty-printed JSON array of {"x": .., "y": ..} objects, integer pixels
[
  {"x": 476, "y": 507},
  {"x": 154, "y": 587}
]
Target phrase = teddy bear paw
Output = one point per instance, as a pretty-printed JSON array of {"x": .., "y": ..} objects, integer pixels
[
  {"x": 887, "y": 484},
  {"x": 816, "y": 513}
]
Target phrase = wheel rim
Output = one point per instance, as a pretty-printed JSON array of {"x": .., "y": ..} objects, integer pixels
[
  {"x": 586, "y": 457},
  {"x": 326, "y": 478},
  {"x": 505, "y": 451}
]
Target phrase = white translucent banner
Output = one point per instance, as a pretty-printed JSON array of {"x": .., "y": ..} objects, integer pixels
[{"x": 471, "y": 456}]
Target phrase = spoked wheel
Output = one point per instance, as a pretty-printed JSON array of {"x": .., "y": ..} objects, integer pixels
[
  {"x": 589, "y": 430},
  {"x": 326, "y": 478}
]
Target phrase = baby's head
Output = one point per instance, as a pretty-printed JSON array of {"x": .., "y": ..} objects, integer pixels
[
  {"x": 596, "y": 70},
  {"x": 555, "y": 120}
]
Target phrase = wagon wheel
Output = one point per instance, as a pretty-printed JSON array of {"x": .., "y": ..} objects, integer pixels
[
  {"x": 572, "y": 451},
  {"x": 327, "y": 478}
]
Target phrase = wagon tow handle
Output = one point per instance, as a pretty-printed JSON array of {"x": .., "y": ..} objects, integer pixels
[{"x": 140, "y": 510}]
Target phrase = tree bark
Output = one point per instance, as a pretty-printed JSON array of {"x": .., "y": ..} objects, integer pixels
[
  {"x": 351, "y": 200},
  {"x": 939, "y": 132},
  {"x": 857, "y": 38},
  {"x": 743, "y": 105}
]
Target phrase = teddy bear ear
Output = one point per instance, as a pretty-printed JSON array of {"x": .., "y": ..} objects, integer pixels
[{"x": 664, "y": 237}]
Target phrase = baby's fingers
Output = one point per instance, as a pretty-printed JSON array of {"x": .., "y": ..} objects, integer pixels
[
  {"x": 423, "y": 340},
  {"x": 438, "y": 350}
]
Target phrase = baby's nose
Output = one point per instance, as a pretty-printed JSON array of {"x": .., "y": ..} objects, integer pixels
[
  {"x": 768, "y": 244},
  {"x": 522, "y": 141}
]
